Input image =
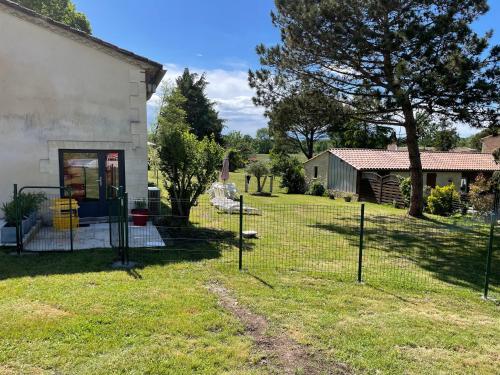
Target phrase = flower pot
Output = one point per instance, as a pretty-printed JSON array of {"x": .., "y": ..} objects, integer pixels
[
  {"x": 8, "y": 235},
  {"x": 27, "y": 224},
  {"x": 140, "y": 217}
]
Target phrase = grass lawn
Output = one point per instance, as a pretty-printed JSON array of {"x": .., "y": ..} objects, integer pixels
[{"x": 71, "y": 313}]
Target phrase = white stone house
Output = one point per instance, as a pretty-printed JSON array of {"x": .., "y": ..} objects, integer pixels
[{"x": 72, "y": 110}]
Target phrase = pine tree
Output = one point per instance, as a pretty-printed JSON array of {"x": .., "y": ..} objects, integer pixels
[
  {"x": 200, "y": 112},
  {"x": 403, "y": 56}
]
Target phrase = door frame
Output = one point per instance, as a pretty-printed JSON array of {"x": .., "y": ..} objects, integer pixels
[{"x": 102, "y": 202}]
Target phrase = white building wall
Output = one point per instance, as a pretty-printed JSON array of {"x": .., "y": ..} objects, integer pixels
[
  {"x": 342, "y": 176},
  {"x": 322, "y": 163},
  {"x": 442, "y": 178},
  {"x": 58, "y": 93}
]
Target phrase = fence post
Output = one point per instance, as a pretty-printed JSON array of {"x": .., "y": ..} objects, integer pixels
[
  {"x": 125, "y": 227},
  {"x": 70, "y": 197},
  {"x": 361, "y": 239},
  {"x": 18, "y": 229},
  {"x": 489, "y": 255},
  {"x": 240, "y": 257}
]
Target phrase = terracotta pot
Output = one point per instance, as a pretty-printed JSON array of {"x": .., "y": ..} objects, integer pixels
[{"x": 140, "y": 217}]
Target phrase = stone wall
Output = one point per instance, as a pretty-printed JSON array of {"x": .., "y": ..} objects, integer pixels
[{"x": 61, "y": 93}]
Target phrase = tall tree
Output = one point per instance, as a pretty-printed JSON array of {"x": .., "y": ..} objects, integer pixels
[
  {"x": 263, "y": 141},
  {"x": 188, "y": 164},
  {"x": 357, "y": 134},
  {"x": 302, "y": 118},
  {"x": 441, "y": 135},
  {"x": 404, "y": 55},
  {"x": 200, "y": 112},
  {"x": 63, "y": 11}
]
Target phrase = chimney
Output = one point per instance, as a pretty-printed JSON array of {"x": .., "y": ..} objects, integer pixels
[{"x": 393, "y": 146}]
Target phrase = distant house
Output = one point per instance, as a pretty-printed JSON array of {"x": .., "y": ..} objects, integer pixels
[
  {"x": 353, "y": 170},
  {"x": 490, "y": 143},
  {"x": 72, "y": 110}
]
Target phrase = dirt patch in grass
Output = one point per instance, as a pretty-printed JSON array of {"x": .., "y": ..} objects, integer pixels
[
  {"x": 38, "y": 310},
  {"x": 20, "y": 369},
  {"x": 282, "y": 353}
]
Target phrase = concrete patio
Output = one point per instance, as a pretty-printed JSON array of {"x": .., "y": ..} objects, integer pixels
[{"x": 93, "y": 236}]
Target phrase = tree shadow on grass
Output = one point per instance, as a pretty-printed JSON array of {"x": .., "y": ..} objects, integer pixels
[
  {"x": 191, "y": 244},
  {"x": 452, "y": 252}
]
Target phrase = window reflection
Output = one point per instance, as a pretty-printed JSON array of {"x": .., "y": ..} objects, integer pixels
[{"x": 81, "y": 174}]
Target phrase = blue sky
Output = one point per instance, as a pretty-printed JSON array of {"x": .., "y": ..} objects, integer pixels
[{"x": 213, "y": 36}]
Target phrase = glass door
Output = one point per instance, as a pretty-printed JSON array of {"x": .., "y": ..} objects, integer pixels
[{"x": 92, "y": 177}]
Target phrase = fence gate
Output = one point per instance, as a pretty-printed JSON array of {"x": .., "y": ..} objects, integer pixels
[
  {"x": 42, "y": 218},
  {"x": 380, "y": 189}
]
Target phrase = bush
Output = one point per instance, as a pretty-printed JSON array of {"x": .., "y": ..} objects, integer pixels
[
  {"x": 236, "y": 159},
  {"x": 405, "y": 189},
  {"x": 294, "y": 180},
  {"x": 27, "y": 204},
  {"x": 443, "y": 200},
  {"x": 481, "y": 195},
  {"x": 317, "y": 189}
]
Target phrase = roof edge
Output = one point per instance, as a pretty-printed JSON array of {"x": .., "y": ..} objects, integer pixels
[{"x": 29, "y": 13}]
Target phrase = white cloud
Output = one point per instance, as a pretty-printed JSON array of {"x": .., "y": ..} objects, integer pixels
[{"x": 230, "y": 91}]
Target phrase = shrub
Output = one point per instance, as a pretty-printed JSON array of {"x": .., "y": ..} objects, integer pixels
[
  {"x": 481, "y": 195},
  {"x": 317, "y": 189},
  {"x": 294, "y": 180},
  {"x": 405, "y": 189},
  {"x": 236, "y": 159},
  {"x": 260, "y": 170},
  {"x": 442, "y": 200},
  {"x": 27, "y": 203}
]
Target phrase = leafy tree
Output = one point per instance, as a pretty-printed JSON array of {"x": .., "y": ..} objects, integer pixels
[
  {"x": 440, "y": 135},
  {"x": 303, "y": 118},
  {"x": 242, "y": 142},
  {"x": 401, "y": 56},
  {"x": 263, "y": 141},
  {"x": 260, "y": 171},
  {"x": 188, "y": 164},
  {"x": 236, "y": 159},
  {"x": 200, "y": 112},
  {"x": 481, "y": 195},
  {"x": 63, "y": 11},
  {"x": 291, "y": 171},
  {"x": 357, "y": 134}
]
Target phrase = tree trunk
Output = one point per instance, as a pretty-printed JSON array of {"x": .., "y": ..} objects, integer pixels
[
  {"x": 417, "y": 179},
  {"x": 181, "y": 209}
]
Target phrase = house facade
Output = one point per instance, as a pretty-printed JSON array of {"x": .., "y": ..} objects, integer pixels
[
  {"x": 347, "y": 170},
  {"x": 72, "y": 110},
  {"x": 490, "y": 143}
]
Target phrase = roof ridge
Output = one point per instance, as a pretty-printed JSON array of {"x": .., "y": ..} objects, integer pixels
[{"x": 421, "y": 151}]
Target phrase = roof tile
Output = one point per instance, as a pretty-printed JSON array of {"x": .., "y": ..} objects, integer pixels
[{"x": 366, "y": 159}]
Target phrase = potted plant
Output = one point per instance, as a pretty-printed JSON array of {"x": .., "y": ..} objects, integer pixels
[
  {"x": 9, "y": 230},
  {"x": 140, "y": 214},
  {"x": 347, "y": 198}
]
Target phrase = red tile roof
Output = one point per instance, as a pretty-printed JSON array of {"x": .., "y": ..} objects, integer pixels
[{"x": 365, "y": 159}]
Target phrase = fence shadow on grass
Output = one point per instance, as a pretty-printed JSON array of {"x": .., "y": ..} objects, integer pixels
[
  {"x": 454, "y": 253},
  {"x": 192, "y": 244}
]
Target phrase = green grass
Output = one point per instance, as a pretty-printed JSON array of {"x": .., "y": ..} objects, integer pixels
[{"x": 70, "y": 313}]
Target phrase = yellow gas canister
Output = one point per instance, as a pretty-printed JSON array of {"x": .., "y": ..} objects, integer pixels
[{"x": 65, "y": 214}]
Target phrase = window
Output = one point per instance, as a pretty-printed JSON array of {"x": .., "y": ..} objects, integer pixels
[{"x": 315, "y": 172}]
